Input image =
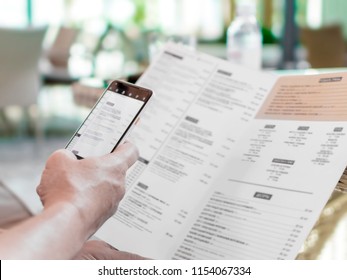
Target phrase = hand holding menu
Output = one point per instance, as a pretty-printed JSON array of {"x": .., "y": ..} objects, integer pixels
[{"x": 234, "y": 163}]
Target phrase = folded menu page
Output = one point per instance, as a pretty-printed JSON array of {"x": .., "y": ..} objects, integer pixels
[{"x": 234, "y": 163}]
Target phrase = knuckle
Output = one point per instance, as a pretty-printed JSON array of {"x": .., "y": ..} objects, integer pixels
[
  {"x": 119, "y": 166},
  {"x": 39, "y": 190},
  {"x": 55, "y": 158},
  {"x": 122, "y": 167}
]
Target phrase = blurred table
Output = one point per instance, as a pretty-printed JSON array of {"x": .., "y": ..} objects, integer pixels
[{"x": 271, "y": 54}]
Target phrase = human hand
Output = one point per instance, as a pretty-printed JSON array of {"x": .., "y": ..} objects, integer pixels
[
  {"x": 94, "y": 186},
  {"x": 100, "y": 250}
]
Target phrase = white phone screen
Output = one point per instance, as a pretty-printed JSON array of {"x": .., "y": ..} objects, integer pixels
[{"x": 107, "y": 123}]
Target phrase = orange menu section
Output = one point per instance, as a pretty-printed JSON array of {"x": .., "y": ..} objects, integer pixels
[{"x": 311, "y": 97}]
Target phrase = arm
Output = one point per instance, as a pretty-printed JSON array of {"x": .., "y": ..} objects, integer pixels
[
  {"x": 56, "y": 233},
  {"x": 78, "y": 197}
]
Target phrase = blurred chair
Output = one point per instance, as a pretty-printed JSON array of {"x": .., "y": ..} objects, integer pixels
[
  {"x": 54, "y": 62},
  {"x": 20, "y": 81},
  {"x": 325, "y": 46},
  {"x": 59, "y": 52}
]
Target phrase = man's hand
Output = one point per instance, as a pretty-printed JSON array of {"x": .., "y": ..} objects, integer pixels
[
  {"x": 100, "y": 250},
  {"x": 94, "y": 186},
  {"x": 78, "y": 196}
]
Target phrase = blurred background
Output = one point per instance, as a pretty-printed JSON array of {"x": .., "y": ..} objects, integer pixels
[
  {"x": 57, "y": 55},
  {"x": 126, "y": 29}
]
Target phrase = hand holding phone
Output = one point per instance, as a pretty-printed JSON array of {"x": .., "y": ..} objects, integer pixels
[{"x": 110, "y": 120}]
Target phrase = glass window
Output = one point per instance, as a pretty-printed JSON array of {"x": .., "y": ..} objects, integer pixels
[
  {"x": 13, "y": 13},
  {"x": 48, "y": 12},
  {"x": 334, "y": 12}
]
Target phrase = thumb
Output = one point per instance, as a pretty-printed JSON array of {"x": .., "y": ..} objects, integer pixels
[{"x": 126, "y": 153}]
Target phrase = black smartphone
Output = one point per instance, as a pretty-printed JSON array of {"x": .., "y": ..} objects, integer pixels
[{"x": 111, "y": 119}]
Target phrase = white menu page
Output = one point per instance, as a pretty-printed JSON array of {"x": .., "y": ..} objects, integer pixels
[{"x": 234, "y": 163}]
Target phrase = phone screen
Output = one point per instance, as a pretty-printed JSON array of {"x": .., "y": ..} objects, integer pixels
[{"x": 110, "y": 120}]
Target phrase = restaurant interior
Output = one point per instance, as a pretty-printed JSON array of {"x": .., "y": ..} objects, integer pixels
[{"x": 57, "y": 56}]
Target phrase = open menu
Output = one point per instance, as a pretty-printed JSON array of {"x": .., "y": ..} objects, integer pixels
[{"x": 234, "y": 163}]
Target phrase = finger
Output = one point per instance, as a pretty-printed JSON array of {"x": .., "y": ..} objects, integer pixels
[
  {"x": 60, "y": 155},
  {"x": 127, "y": 153},
  {"x": 100, "y": 250},
  {"x": 67, "y": 153},
  {"x": 119, "y": 255}
]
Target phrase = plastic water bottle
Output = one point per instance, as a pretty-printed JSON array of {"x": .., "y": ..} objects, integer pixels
[{"x": 244, "y": 39}]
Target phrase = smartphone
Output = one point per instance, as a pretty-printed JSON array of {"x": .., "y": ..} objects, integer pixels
[{"x": 111, "y": 120}]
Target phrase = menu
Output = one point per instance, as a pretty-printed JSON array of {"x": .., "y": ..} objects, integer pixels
[{"x": 234, "y": 163}]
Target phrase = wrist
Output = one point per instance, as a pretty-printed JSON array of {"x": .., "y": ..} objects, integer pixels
[
  {"x": 74, "y": 216},
  {"x": 90, "y": 215}
]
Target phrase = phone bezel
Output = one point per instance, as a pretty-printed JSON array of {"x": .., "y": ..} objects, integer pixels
[{"x": 144, "y": 94}]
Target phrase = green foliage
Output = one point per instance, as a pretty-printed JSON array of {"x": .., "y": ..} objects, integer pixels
[
  {"x": 268, "y": 36},
  {"x": 140, "y": 13}
]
